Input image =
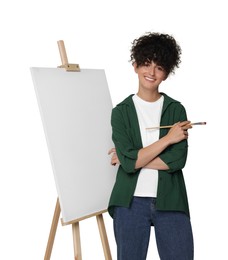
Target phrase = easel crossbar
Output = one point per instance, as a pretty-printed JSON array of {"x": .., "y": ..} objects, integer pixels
[{"x": 76, "y": 235}]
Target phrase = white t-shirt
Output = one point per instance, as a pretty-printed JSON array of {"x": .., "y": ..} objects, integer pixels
[{"x": 149, "y": 114}]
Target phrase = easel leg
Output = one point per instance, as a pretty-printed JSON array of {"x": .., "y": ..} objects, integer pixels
[
  {"x": 52, "y": 233},
  {"x": 104, "y": 238},
  {"x": 77, "y": 241}
]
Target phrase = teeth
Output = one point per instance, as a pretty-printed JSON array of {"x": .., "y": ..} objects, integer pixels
[{"x": 150, "y": 79}]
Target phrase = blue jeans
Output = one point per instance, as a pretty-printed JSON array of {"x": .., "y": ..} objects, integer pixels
[{"x": 132, "y": 228}]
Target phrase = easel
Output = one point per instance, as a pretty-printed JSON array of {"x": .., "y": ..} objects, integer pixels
[{"x": 75, "y": 224}]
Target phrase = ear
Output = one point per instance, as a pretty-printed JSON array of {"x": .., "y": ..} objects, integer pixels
[
  {"x": 135, "y": 67},
  {"x": 166, "y": 76}
]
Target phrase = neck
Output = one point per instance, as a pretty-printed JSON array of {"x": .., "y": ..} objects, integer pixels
[{"x": 149, "y": 96}]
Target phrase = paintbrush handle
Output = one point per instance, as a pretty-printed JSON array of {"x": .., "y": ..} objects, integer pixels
[{"x": 169, "y": 126}]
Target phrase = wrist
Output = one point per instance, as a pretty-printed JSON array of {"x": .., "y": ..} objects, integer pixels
[{"x": 165, "y": 141}]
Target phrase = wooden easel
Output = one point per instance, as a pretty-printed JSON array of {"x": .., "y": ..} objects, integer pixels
[
  {"x": 75, "y": 224},
  {"x": 76, "y": 235}
]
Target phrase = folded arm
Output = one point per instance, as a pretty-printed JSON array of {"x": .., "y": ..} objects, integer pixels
[{"x": 148, "y": 157}]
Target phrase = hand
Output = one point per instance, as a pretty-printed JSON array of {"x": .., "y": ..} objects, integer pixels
[
  {"x": 179, "y": 132},
  {"x": 114, "y": 158}
]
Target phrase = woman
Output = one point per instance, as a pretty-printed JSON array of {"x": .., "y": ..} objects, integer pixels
[{"x": 149, "y": 188}]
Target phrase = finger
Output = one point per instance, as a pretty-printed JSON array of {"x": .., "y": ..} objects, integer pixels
[
  {"x": 113, "y": 150},
  {"x": 186, "y": 127},
  {"x": 114, "y": 161},
  {"x": 176, "y": 123},
  {"x": 185, "y": 123}
]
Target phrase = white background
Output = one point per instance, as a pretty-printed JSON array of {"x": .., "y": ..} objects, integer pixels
[{"x": 98, "y": 34}]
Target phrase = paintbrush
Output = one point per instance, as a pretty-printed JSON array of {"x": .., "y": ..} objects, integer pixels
[{"x": 169, "y": 126}]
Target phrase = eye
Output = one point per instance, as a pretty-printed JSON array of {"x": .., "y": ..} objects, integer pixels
[
  {"x": 147, "y": 64},
  {"x": 160, "y": 68}
]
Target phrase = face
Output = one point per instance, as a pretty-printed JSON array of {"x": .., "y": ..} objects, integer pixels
[{"x": 150, "y": 76}]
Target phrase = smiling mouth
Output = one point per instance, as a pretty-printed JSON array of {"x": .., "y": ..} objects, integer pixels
[{"x": 149, "y": 79}]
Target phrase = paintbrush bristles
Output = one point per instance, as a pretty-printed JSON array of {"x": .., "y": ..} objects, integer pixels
[
  {"x": 169, "y": 126},
  {"x": 199, "y": 123}
]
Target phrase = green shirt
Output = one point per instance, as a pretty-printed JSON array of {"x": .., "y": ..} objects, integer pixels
[{"x": 171, "y": 192}]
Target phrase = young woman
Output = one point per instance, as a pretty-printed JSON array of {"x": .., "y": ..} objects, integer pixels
[{"x": 149, "y": 188}]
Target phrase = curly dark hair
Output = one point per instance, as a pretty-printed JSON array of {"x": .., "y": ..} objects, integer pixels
[{"x": 162, "y": 49}]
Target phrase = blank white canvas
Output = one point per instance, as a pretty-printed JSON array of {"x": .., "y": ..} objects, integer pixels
[{"x": 75, "y": 108}]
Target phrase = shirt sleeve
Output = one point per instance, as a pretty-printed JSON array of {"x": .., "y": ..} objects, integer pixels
[
  {"x": 122, "y": 136},
  {"x": 175, "y": 156}
]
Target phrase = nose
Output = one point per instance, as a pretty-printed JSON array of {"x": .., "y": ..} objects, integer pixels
[{"x": 151, "y": 69}]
